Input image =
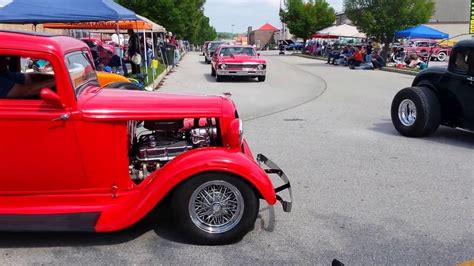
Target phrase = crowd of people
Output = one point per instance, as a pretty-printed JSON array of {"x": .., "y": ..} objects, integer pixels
[
  {"x": 355, "y": 57},
  {"x": 136, "y": 53},
  {"x": 360, "y": 56}
]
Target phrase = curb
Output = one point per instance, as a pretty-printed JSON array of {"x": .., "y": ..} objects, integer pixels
[
  {"x": 386, "y": 69},
  {"x": 159, "y": 79}
]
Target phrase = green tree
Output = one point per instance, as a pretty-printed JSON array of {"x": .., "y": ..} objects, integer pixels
[
  {"x": 305, "y": 18},
  {"x": 185, "y": 18},
  {"x": 225, "y": 35},
  {"x": 381, "y": 19}
]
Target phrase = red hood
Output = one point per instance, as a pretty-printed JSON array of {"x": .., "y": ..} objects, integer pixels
[
  {"x": 113, "y": 104},
  {"x": 242, "y": 59}
]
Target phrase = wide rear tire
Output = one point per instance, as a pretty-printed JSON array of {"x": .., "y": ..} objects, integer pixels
[
  {"x": 124, "y": 86},
  {"x": 261, "y": 78},
  {"x": 215, "y": 208},
  {"x": 416, "y": 112}
]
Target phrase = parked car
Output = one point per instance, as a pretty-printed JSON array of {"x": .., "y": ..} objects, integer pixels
[
  {"x": 204, "y": 47},
  {"x": 438, "y": 96},
  {"x": 211, "y": 48},
  {"x": 99, "y": 50},
  {"x": 428, "y": 48},
  {"x": 238, "y": 60},
  {"x": 295, "y": 46},
  {"x": 76, "y": 157}
]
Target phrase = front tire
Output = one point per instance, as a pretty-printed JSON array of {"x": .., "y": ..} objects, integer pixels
[
  {"x": 215, "y": 208},
  {"x": 416, "y": 112},
  {"x": 219, "y": 78}
]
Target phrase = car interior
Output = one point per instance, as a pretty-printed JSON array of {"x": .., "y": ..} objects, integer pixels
[{"x": 23, "y": 78}]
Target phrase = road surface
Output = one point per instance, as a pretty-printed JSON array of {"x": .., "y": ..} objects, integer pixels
[{"x": 362, "y": 193}]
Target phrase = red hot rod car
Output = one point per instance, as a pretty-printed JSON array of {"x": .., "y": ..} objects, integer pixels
[
  {"x": 237, "y": 60},
  {"x": 78, "y": 157}
]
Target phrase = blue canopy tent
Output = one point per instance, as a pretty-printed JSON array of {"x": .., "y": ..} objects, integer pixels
[
  {"x": 421, "y": 31},
  {"x": 43, "y": 11}
]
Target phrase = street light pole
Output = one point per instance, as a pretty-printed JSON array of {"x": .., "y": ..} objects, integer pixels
[{"x": 232, "y": 30}]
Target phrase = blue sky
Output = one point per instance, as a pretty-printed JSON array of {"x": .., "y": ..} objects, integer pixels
[{"x": 243, "y": 13}]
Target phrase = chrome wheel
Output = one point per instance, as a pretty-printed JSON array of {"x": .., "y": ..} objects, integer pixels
[
  {"x": 442, "y": 56},
  {"x": 216, "y": 207},
  {"x": 407, "y": 112}
]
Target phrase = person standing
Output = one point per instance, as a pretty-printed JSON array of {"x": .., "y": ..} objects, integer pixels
[
  {"x": 134, "y": 51},
  {"x": 369, "y": 49}
]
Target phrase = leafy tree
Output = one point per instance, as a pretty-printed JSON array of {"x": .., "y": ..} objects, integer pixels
[
  {"x": 185, "y": 18},
  {"x": 381, "y": 19},
  {"x": 225, "y": 35},
  {"x": 305, "y": 18}
]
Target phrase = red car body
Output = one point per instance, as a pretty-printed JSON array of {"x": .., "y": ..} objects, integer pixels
[
  {"x": 238, "y": 64},
  {"x": 428, "y": 48},
  {"x": 65, "y": 157}
]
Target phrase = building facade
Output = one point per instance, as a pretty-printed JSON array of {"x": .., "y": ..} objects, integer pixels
[
  {"x": 450, "y": 16},
  {"x": 262, "y": 37}
]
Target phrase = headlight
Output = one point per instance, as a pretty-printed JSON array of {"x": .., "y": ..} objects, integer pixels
[
  {"x": 223, "y": 66},
  {"x": 261, "y": 67}
]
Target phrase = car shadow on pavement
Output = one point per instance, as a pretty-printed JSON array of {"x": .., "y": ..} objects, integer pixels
[
  {"x": 159, "y": 221},
  {"x": 212, "y": 79},
  {"x": 443, "y": 135}
]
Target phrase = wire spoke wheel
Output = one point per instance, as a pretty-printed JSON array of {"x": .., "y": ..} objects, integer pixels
[{"x": 216, "y": 206}]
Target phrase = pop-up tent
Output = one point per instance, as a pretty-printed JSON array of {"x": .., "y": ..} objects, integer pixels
[
  {"x": 421, "y": 31},
  {"x": 343, "y": 30},
  {"x": 101, "y": 25},
  {"x": 43, "y": 11}
]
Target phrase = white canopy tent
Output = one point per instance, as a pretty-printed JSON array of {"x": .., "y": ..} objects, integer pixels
[
  {"x": 343, "y": 30},
  {"x": 156, "y": 27}
]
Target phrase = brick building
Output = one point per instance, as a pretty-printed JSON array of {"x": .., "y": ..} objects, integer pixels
[
  {"x": 262, "y": 36},
  {"x": 29, "y": 27}
]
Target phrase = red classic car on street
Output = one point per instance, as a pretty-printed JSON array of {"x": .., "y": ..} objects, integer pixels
[
  {"x": 238, "y": 60},
  {"x": 76, "y": 157}
]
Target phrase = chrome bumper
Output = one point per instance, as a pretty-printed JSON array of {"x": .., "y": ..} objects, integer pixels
[
  {"x": 255, "y": 72},
  {"x": 272, "y": 168}
]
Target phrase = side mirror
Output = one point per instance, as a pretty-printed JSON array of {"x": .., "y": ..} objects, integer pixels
[
  {"x": 258, "y": 54},
  {"x": 51, "y": 97}
]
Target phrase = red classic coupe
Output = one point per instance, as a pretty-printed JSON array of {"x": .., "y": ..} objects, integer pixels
[
  {"x": 238, "y": 60},
  {"x": 76, "y": 157}
]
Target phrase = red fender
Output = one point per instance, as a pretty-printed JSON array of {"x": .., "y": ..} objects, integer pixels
[{"x": 188, "y": 164}]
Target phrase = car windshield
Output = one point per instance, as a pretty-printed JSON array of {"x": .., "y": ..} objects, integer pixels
[
  {"x": 228, "y": 51},
  {"x": 214, "y": 45},
  {"x": 81, "y": 71}
]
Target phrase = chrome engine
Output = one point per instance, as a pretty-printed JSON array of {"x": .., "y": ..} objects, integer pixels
[{"x": 162, "y": 141}]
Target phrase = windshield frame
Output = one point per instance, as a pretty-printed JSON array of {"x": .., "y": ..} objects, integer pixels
[
  {"x": 92, "y": 80},
  {"x": 242, "y": 48}
]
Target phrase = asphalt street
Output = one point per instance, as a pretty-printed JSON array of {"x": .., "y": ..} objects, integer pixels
[{"x": 363, "y": 194}]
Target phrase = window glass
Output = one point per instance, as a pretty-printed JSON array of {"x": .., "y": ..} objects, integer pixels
[
  {"x": 81, "y": 71},
  {"x": 228, "y": 51},
  {"x": 461, "y": 62},
  {"x": 24, "y": 77}
]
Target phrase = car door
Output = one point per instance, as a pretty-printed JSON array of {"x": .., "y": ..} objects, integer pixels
[
  {"x": 38, "y": 146},
  {"x": 459, "y": 85}
]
